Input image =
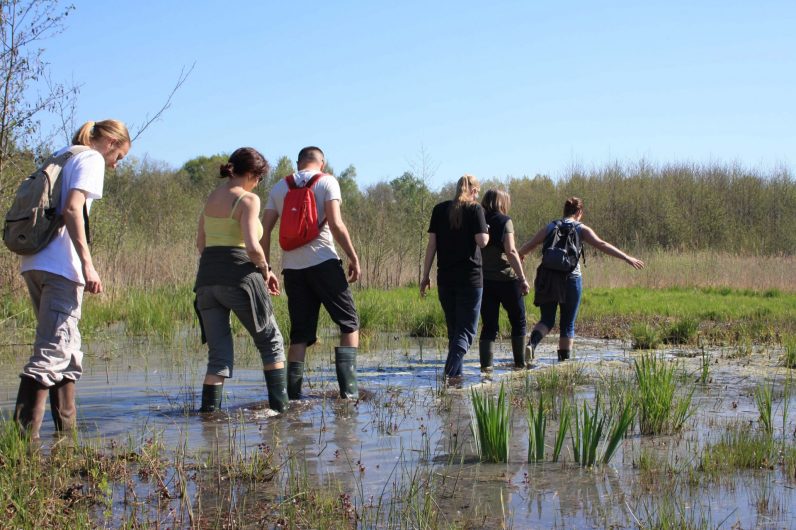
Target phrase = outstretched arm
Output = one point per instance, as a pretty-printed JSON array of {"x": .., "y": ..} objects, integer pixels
[
  {"x": 340, "y": 234},
  {"x": 532, "y": 243},
  {"x": 590, "y": 237},
  {"x": 431, "y": 250}
]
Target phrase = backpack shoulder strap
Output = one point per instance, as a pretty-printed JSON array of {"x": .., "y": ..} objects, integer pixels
[
  {"x": 291, "y": 182},
  {"x": 315, "y": 178}
]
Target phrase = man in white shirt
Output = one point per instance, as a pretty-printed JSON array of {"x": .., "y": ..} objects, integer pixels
[{"x": 314, "y": 276}]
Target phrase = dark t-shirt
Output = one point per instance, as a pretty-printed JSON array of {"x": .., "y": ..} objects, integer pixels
[
  {"x": 496, "y": 264},
  {"x": 458, "y": 257}
]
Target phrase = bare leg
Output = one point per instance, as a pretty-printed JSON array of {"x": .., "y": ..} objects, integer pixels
[
  {"x": 297, "y": 352},
  {"x": 349, "y": 339}
]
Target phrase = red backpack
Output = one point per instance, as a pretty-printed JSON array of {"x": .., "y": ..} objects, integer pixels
[{"x": 299, "y": 224}]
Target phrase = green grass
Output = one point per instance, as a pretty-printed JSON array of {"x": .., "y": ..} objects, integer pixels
[
  {"x": 537, "y": 426},
  {"x": 789, "y": 351},
  {"x": 490, "y": 425},
  {"x": 644, "y": 336},
  {"x": 764, "y": 401},
  {"x": 661, "y": 411},
  {"x": 739, "y": 448}
]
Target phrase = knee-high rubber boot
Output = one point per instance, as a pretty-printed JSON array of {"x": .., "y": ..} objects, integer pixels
[
  {"x": 518, "y": 351},
  {"x": 486, "y": 353},
  {"x": 533, "y": 342},
  {"x": 62, "y": 405},
  {"x": 211, "y": 397},
  {"x": 345, "y": 362},
  {"x": 295, "y": 378},
  {"x": 29, "y": 410},
  {"x": 276, "y": 381},
  {"x": 563, "y": 355}
]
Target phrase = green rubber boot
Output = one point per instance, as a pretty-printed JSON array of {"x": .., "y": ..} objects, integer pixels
[
  {"x": 276, "y": 381},
  {"x": 486, "y": 353},
  {"x": 518, "y": 351},
  {"x": 345, "y": 362},
  {"x": 211, "y": 397},
  {"x": 29, "y": 410},
  {"x": 295, "y": 378}
]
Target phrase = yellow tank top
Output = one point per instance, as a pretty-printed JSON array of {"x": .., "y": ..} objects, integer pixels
[{"x": 226, "y": 231}]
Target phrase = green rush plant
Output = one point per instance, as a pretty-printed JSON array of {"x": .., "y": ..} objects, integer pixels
[
  {"x": 564, "y": 420},
  {"x": 588, "y": 431},
  {"x": 644, "y": 337},
  {"x": 660, "y": 410},
  {"x": 764, "y": 401},
  {"x": 490, "y": 425},
  {"x": 537, "y": 425}
]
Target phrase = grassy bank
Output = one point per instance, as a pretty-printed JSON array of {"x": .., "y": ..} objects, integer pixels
[{"x": 708, "y": 315}]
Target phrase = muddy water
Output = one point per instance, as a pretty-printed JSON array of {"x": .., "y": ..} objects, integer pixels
[{"x": 408, "y": 430}]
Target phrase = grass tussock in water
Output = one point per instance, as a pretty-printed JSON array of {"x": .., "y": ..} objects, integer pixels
[
  {"x": 490, "y": 425},
  {"x": 661, "y": 410}
]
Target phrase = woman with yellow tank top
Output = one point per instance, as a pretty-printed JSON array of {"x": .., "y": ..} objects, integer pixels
[{"x": 234, "y": 276}]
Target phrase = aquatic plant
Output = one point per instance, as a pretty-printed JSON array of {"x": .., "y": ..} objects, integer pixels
[
  {"x": 490, "y": 425},
  {"x": 644, "y": 337},
  {"x": 564, "y": 420},
  {"x": 704, "y": 367},
  {"x": 738, "y": 448},
  {"x": 681, "y": 332},
  {"x": 789, "y": 351},
  {"x": 537, "y": 425},
  {"x": 660, "y": 410},
  {"x": 589, "y": 432},
  {"x": 764, "y": 401}
]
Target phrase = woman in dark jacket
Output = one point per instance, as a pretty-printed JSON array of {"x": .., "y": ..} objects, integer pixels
[
  {"x": 456, "y": 234},
  {"x": 568, "y": 294},
  {"x": 504, "y": 282}
]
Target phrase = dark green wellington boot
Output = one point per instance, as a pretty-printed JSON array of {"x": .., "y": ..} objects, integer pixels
[
  {"x": 62, "y": 405},
  {"x": 518, "y": 351},
  {"x": 486, "y": 353},
  {"x": 345, "y": 361},
  {"x": 29, "y": 410},
  {"x": 563, "y": 355},
  {"x": 276, "y": 381},
  {"x": 295, "y": 378},
  {"x": 211, "y": 397},
  {"x": 530, "y": 349}
]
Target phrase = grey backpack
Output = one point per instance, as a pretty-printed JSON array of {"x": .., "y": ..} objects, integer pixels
[{"x": 33, "y": 220}]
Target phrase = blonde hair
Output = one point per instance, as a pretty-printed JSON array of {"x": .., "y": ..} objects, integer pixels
[
  {"x": 496, "y": 201},
  {"x": 93, "y": 130},
  {"x": 464, "y": 196}
]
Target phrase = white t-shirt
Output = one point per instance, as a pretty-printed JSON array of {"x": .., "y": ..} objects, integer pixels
[
  {"x": 84, "y": 171},
  {"x": 321, "y": 248}
]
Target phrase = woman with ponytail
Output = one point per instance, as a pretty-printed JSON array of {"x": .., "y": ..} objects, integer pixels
[
  {"x": 234, "y": 276},
  {"x": 57, "y": 276},
  {"x": 456, "y": 234}
]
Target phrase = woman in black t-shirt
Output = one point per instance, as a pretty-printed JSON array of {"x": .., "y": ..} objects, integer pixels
[
  {"x": 456, "y": 234},
  {"x": 504, "y": 282}
]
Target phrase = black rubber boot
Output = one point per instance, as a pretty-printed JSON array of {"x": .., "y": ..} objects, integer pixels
[
  {"x": 276, "y": 381},
  {"x": 533, "y": 342},
  {"x": 518, "y": 351},
  {"x": 29, "y": 410},
  {"x": 295, "y": 378},
  {"x": 486, "y": 353},
  {"x": 211, "y": 397},
  {"x": 345, "y": 362},
  {"x": 563, "y": 355},
  {"x": 62, "y": 405}
]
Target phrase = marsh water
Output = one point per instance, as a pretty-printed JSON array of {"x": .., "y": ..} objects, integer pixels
[{"x": 410, "y": 435}]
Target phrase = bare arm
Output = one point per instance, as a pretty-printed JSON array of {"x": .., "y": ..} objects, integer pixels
[
  {"x": 514, "y": 260},
  {"x": 481, "y": 240},
  {"x": 75, "y": 226},
  {"x": 270, "y": 218},
  {"x": 200, "y": 234},
  {"x": 532, "y": 243},
  {"x": 340, "y": 233},
  {"x": 591, "y": 238},
  {"x": 249, "y": 210},
  {"x": 431, "y": 250}
]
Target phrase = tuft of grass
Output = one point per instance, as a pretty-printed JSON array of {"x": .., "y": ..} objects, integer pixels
[
  {"x": 490, "y": 425},
  {"x": 739, "y": 448},
  {"x": 537, "y": 426},
  {"x": 660, "y": 410},
  {"x": 564, "y": 421},
  {"x": 764, "y": 401},
  {"x": 644, "y": 337},
  {"x": 684, "y": 331},
  {"x": 789, "y": 351},
  {"x": 590, "y": 427}
]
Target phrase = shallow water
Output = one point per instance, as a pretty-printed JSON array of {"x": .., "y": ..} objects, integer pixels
[{"x": 409, "y": 430}]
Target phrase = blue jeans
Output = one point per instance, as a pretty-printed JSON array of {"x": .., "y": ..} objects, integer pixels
[
  {"x": 461, "y": 306},
  {"x": 569, "y": 309},
  {"x": 509, "y": 295}
]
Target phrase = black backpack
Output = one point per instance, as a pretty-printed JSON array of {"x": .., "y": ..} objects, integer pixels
[{"x": 562, "y": 247}]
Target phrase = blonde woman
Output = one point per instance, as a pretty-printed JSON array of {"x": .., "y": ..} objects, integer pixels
[
  {"x": 57, "y": 276},
  {"x": 504, "y": 282},
  {"x": 456, "y": 234}
]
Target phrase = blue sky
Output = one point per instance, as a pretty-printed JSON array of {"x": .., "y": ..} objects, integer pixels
[{"x": 497, "y": 89}]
